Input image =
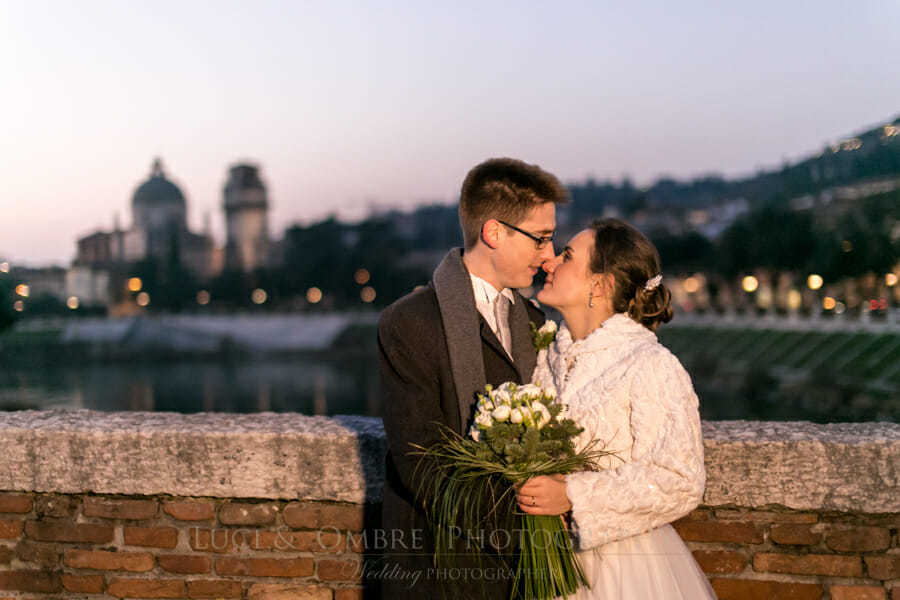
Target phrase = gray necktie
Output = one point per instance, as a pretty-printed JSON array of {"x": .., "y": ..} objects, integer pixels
[{"x": 501, "y": 318}]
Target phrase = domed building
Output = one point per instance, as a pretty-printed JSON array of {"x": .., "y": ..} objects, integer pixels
[
  {"x": 159, "y": 230},
  {"x": 158, "y": 206}
]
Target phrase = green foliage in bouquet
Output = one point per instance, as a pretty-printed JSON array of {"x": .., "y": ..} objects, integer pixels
[{"x": 468, "y": 484}]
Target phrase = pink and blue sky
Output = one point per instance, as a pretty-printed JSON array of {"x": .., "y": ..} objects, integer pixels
[{"x": 352, "y": 106}]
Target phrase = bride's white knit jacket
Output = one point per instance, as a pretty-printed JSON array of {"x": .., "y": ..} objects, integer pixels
[{"x": 632, "y": 394}]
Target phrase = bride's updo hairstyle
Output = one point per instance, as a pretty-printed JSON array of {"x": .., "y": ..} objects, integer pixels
[{"x": 632, "y": 259}]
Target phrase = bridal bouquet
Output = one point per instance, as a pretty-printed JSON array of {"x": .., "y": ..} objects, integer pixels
[{"x": 519, "y": 432}]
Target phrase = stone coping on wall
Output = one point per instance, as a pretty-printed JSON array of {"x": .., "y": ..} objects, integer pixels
[{"x": 847, "y": 467}]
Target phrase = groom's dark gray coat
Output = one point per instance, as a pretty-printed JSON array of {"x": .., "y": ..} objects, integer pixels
[{"x": 436, "y": 352}]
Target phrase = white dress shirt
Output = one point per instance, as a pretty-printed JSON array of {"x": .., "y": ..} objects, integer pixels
[{"x": 494, "y": 307}]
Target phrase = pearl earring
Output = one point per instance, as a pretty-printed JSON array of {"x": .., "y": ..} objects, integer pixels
[{"x": 591, "y": 299}]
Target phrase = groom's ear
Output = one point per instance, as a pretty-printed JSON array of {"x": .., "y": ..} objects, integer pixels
[{"x": 490, "y": 233}]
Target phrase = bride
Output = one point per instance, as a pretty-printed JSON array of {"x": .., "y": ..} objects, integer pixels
[{"x": 632, "y": 394}]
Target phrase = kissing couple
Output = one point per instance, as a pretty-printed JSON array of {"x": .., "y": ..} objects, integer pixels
[{"x": 440, "y": 345}]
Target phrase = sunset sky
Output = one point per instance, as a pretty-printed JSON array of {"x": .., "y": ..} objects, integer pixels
[{"x": 349, "y": 107}]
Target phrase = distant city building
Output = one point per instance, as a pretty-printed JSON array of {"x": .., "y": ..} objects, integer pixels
[
  {"x": 246, "y": 224},
  {"x": 159, "y": 230}
]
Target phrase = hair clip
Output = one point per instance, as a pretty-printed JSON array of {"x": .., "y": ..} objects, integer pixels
[{"x": 653, "y": 282}]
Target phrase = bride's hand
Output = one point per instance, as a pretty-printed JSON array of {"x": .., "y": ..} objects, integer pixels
[{"x": 544, "y": 495}]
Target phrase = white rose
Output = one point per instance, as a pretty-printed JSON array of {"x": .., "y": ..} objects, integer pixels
[
  {"x": 529, "y": 390},
  {"x": 515, "y": 415},
  {"x": 485, "y": 403},
  {"x": 501, "y": 397},
  {"x": 484, "y": 420},
  {"x": 475, "y": 433},
  {"x": 527, "y": 416},
  {"x": 501, "y": 413},
  {"x": 549, "y": 326},
  {"x": 544, "y": 418}
]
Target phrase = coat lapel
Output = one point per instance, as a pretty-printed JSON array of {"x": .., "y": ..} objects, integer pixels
[
  {"x": 522, "y": 349},
  {"x": 460, "y": 319}
]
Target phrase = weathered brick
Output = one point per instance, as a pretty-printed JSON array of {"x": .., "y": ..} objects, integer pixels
[
  {"x": 66, "y": 531},
  {"x": 190, "y": 510},
  {"x": 15, "y": 503},
  {"x": 746, "y": 589},
  {"x": 720, "y": 561},
  {"x": 265, "y": 567},
  {"x": 809, "y": 564},
  {"x": 30, "y": 581},
  {"x": 764, "y": 516},
  {"x": 356, "y": 542},
  {"x": 886, "y": 566},
  {"x": 297, "y": 541},
  {"x": 157, "y": 537},
  {"x": 288, "y": 591},
  {"x": 146, "y": 588},
  {"x": 10, "y": 529},
  {"x": 87, "y": 584},
  {"x": 6, "y": 555},
  {"x": 220, "y": 541},
  {"x": 857, "y": 592},
  {"x": 108, "y": 561},
  {"x": 794, "y": 534},
  {"x": 895, "y": 593},
  {"x": 214, "y": 588},
  {"x": 719, "y": 531},
  {"x": 46, "y": 555},
  {"x": 858, "y": 539},
  {"x": 55, "y": 506},
  {"x": 240, "y": 513},
  {"x": 339, "y": 570},
  {"x": 118, "y": 508},
  {"x": 348, "y": 594},
  {"x": 318, "y": 515},
  {"x": 184, "y": 563},
  {"x": 698, "y": 514}
]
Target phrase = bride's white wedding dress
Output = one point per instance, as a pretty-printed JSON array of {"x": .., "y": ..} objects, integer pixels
[{"x": 632, "y": 394}]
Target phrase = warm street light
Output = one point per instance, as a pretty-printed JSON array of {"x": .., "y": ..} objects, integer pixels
[
  {"x": 22, "y": 290},
  {"x": 259, "y": 296},
  {"x": 313, "y": 295},
  {"x": 890, "y": 279},
  {"x": 828, "y": 303},
  {"x": 135, "y": 284},
  {"x": 202, "y": 297},
  {"x": 367, "y": 294},
  {"x": 72, "y": 302},
  {"x": 361, "y": 276},
  {"x": 814, "y": 281},
  {"x": 750, "y": 283},
  {"x": 143, "y": 299}
]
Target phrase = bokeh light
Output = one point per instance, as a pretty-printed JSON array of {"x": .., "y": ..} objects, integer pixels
[
  {"x": 361, "y": 276},
  {"x": 258, "y": 296},
  {"x": 72, "y": 302},
  {"x": 143, "y": 299},
  {"x": 202, "y": 297},
  {"x": 749, "y": 283},
  {"x": 135, "y": 284},
  {"x": 313, "y": 295},
  {"x": 814, "y": 281},
  {"x": 22, "y": 290},
  {"x": 367, "y": 294}
]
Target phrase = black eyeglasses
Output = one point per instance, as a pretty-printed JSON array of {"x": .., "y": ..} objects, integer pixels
[{"x": 540, "y": 241}]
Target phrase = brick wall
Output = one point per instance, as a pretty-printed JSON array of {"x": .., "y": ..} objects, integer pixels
[
  {"x": 777, "y": 554},
  {"x": 279, "y": 506},
  {"x": 87, "y": 546}
]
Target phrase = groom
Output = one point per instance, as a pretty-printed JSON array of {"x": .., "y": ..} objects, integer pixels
[{"x": 441, "y": 344}]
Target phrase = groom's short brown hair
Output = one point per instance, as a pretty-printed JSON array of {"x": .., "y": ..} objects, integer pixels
[{"x": 505, "y": 189}]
